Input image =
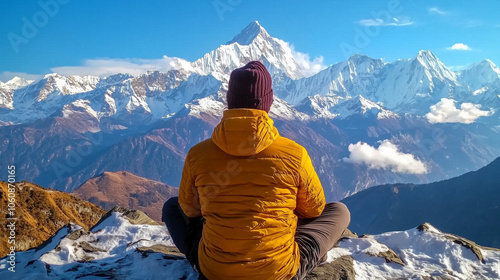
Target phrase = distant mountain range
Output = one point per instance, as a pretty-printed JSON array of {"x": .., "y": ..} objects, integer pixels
[
  {"x": 436, "y": 123},
  {"x": 468, "y": 205},
  {"x": 125, "y": 189}
]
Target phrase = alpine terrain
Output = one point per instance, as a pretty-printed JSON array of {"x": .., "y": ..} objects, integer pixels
[
  {"x": 468, "y": 205},
  {"x": 126, "y": 244},
  {"x": 364, "y": 121}
]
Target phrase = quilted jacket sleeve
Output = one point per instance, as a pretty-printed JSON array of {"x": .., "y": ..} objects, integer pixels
[
  {"x": 189, "y": 199},
  {"x": 310, "y": 196}
]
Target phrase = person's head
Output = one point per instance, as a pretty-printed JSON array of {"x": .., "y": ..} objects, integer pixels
[{"x": 250, "y": 87}]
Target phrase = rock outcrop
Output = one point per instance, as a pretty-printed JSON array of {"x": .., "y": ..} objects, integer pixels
[
  {"x": 127, "y": 244},
  {"x": 41, "y": 212}
]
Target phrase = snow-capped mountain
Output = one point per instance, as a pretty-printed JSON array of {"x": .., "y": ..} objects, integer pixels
[
  {"x": 478, "y": 75},
  {"x": 42, "y": 98},
  {"x": 52, "y": 87},
  {"x": 253, "y": 43},
  {"x": 404, "y": 86},
  {"x": 126, "y": 244},
  {"x": 7, "y": 91},
  {"x": 359, "y": 105},
  {"x": 160, "y": 115},
  {"x": 483, "y": 80},
  {"x": 334, "y": 106},
  {"x": 319, "y": 106},
  {"x": 412, "y": 85},
  {"x": 343, "y": 79},
  {"x": 15, "y": 83}
]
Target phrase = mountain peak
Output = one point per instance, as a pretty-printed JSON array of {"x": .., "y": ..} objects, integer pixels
[
  {"x": 247, "y": 35},
  {"x": 16, "y": 83},
  {"x": 361, "y": 103},
  {"x": 434, "y": 67},
  {"x": 51, "y": 77},
  {"x": 427, "y": 59},
  {"x": 15, "y": 80},
  {"x": 126, "y": 189},
  {"x": 358, "y": 56},
  {"x": 485, "y": 63},
  {"x": 481, "y": 73},
  {"x": 361, "y": 58},
  {"x": 426, "y": 54},
  {"x": 488, "y": 63}
]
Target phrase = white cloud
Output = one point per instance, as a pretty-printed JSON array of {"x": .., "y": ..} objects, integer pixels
[
  {"x": 103, "y": 67},
  {"x": 307, "y": 66},
  {"x": 386, "y": 156},
  {"x": 459, "y": 47},
  {"x": 381, "y": 22},
  {"x": 445, "y": 111},
  {"x": 134, "y": 66},
  {"x": 436, "y": 10},
  {"x": 7, "y": 76}
]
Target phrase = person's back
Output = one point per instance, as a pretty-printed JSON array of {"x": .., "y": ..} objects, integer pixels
[
  {"x": 248, "y": 191},
  {"x": 251, "y": 186}
]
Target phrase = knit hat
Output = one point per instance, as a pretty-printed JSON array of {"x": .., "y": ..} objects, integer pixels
[{"x": 250, "y": 87}]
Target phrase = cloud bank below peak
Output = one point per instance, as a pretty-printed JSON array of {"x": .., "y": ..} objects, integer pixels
[
  {"x": 387, "y": 156},
  {"x": 134, "y": 66},
  {"x": 445, "y": 111},
  {"x": 307, "y": 66}
]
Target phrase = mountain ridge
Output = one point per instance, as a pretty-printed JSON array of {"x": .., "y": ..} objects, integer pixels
[
  {"x": 40, "y": 212},
  {"x": 471, "y": 199},
  {"x": 145, "y": 124},
  {"x": 110, "y": 189},
  {"x": 360, "y": 74}
]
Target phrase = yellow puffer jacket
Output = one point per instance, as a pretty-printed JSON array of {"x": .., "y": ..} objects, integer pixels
[{"x": 249, "y": 184}]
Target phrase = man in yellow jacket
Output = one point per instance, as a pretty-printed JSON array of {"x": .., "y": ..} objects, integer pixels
[{"x": 250, "y": 203}]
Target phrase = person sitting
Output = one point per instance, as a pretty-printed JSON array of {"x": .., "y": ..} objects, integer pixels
[{"x": 250, "y": 204}]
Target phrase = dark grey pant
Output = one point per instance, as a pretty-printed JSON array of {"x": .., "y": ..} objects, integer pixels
[
  {"x": 314, "y": 236},
  {"x": 184, "y": 231}
]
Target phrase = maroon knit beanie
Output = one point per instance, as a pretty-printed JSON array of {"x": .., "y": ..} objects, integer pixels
[{"x": 250, "y": 87}]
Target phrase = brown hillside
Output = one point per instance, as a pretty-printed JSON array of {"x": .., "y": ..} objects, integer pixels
[
  {"x": 127, "y": 190},
  {"x": 41, "y": 212}
]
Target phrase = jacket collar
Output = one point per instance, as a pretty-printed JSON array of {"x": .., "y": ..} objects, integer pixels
[{"x": 244, "y": 132}]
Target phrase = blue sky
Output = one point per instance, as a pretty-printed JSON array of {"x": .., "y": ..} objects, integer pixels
[{"x": 37, "y": 40}]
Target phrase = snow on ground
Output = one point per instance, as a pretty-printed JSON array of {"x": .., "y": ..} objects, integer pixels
[
  {"x": 480, "y": 91},
  {"x": 282, "y": 110},
  {"x": 107, "y": 252},
  {"x": 114, "y": 250},
  {"x": 425, "y": 254},
  {"x": 207, "y": 105}
]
